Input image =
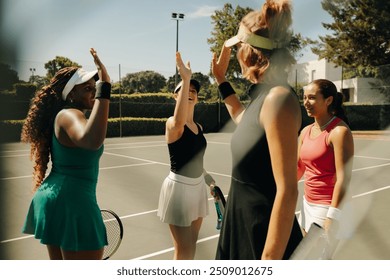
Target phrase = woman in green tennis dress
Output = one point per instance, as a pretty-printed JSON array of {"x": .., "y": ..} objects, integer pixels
[{"x": 64, "y": 213}]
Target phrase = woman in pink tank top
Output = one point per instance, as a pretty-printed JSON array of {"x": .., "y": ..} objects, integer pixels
[{"x": 325, "y": 155}]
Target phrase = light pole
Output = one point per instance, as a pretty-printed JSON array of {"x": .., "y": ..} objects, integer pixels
[
  {"x": 177, "y": 17},
  {"x": 32, "y": 74}
]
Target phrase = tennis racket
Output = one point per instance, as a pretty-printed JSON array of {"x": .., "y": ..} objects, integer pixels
[
  {"x": 114, "y": 229},
  {"x": 219, "y": 202}
]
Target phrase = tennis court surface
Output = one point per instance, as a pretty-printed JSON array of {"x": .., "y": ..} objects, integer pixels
[{"x": 133, "y": 168}]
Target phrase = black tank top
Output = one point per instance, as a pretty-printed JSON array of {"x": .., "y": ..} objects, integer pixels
[
  {"x": 249, "y": 145},
  {"x": 186, "y": 154}
]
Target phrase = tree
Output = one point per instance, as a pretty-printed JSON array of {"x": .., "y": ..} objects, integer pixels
[
  {"x": 56, "y": 64},
  {"x": 204, "y": 81},
  {"x": 38, "y": 81},
  {"x": 360, "y": 36},
  {"x": 226, "y": 22},
  {"x": 170, "y": 84},
  {"x": 8, "y": 77},
  {"x": 143, "y": 82}
]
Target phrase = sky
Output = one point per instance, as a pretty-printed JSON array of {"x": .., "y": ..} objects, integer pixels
[{"x": 128, "y": 35}]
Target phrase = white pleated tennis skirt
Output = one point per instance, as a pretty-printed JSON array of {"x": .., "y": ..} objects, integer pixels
[
  {"x": 312, "y": 213},
  {"x": 183, "y": 200}
]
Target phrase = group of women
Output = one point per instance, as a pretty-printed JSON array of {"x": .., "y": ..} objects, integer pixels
[{"x": 270, "y": 153}]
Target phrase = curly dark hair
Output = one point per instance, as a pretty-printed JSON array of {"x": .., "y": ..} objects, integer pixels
[{"x": 38, "y": 127}]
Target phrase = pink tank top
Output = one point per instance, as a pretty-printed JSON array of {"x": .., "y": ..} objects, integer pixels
[{"x": 318, "y": 157}]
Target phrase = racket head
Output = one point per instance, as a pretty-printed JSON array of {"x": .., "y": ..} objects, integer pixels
[
  {"x": 219, "y": 194},
  {"x": 114, "y": 231}
]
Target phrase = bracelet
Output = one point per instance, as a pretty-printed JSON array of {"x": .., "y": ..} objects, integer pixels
[
  {"x": 225, "y": 90},
  {"x": 103, "y": 90},
  {"x": 333, "y": 213}
]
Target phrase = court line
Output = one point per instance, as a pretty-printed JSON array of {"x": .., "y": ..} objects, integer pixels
[
  {"x": 134, "y": 147},
  {"x": 172, "y": 248},
  {"x": 12, "y": 156},
  {"x": 155, "y": 162},
  {"x": 128, "y": 165},
  {"x": 121, "y": 217},
  {"x": 217, "y": 235},
  {"x": 132, "y": 143},
  {"x": 371, "y": 192},
  {"x": 366, "y": 168},
  {"x": 136, "y": 158},
  {"x": 373, "y": 157},
  {"x": 166, "y": 164},
  {"x": 204, "y": 239},
  {"x": 108, "y": 147}
]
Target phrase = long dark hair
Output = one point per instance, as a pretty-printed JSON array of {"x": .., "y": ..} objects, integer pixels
[
  {"x": 327, "y": 88},
  {"x": 39, "y": 125}
]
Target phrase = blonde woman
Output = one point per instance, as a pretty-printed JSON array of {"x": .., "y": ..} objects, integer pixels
[{"x": 259, "y": 221}]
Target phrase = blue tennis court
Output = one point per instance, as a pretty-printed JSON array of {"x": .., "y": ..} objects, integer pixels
[{"x": 132, "y": 170}]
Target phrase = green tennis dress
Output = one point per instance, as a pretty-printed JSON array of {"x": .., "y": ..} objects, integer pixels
[{"x": 64, "y": 211}]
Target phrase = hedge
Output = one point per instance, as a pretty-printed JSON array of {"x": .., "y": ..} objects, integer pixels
[{"x": 149, "y": 119}]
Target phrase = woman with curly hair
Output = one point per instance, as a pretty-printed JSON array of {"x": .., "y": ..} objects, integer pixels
[
  {"x": 259, "y": 220},
  {"x": 64, "y": 213}
]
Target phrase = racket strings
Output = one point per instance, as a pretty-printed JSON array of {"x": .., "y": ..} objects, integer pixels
[{"x": 113, "y": 232}]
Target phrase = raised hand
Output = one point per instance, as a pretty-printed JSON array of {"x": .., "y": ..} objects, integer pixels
[
  {"x": 184, "y": 69},
  {"x": 220, "y": 66},
  {"x": 102, "y": 71}
]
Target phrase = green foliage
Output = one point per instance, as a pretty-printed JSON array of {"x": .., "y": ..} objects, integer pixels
[
  {"x": 24, "y": 91},
  {"x": 8, "y": 77},
  {"x": 10, "y": 130},
  {"x": 213, "y": 117},
  {"x": 226, "y": 23},
  {"x": 360, "y": 37},
  {"x": 39, "y": 81},
  {"x": 59, "y": 62},
  {"x": 144, "y": 98},
  {"x": 135, "y": 126},
  {"x": 143, "y": 82}
]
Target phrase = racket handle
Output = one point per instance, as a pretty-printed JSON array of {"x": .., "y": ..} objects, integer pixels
[{"x": 219, "y": 214}]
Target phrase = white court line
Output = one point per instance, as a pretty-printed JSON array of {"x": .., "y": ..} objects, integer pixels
[
  {"x": 109, "y": 147},
  {"x": 134, "y": 147},
  {"x": 172, "y": 248},
  {"x": 371, "y": 192},
  {"x": 132, "y": 143},
  {"x": 124, "y": 166},
  {"x": 217, "y": 235},
  {"x": 12, "y": 156},
  {"x": 224, "y": 175},
  {"x": 373, "y": 157},
  {"x": 136, "y": 158},
  {"x": 370, "y": 167}
]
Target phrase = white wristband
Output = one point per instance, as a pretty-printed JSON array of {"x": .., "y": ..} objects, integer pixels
[{"x": 333, "y": 213}]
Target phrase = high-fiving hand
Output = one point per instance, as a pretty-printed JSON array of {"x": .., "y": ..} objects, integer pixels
[
  {"x": 220, "y": 66},
  {"x": 184, "y": 69},
  {"x": 102, "y": 71}
]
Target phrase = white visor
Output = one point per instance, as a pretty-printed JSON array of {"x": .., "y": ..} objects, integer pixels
[
  {"x": 79, "y": 77},
  {"x": 251, "y": 39}
]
